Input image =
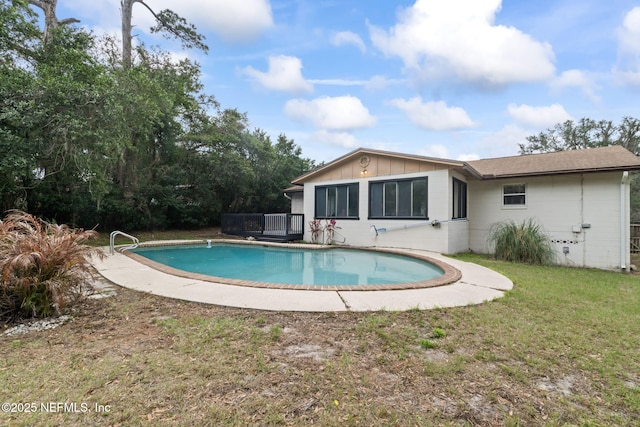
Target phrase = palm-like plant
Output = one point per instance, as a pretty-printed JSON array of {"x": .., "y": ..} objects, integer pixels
[{"x": 43, "y": 266}]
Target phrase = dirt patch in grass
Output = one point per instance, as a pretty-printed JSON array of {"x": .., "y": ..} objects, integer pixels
[{"x": 153, "y": 360}]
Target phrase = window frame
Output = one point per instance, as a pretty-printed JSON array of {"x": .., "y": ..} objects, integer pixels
[
  {"x": 514, "y": 196},
  {"x": 400, "y": 198},
  {"x": 349, "y": 200},
  {"x": 460, "y": 202}
]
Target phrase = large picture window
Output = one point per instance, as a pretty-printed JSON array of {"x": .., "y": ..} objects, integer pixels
[
  {"x": 405, "y": 198},
  {"x": 337, "y": 201},
  {"x": 514, "y": 195},
  {"x": 459, "y": 199}
]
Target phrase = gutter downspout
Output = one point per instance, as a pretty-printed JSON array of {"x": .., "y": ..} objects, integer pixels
[{"x": 624, "y": 227}]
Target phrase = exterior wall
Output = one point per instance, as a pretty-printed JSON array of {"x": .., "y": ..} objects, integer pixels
[
  {"x": 297, "y": 203},
  {"x": 564, "y": 205},
  {"x": 418, "y": 234},
  {"x": 459, "y": 229},
  {"x": 378, "y": 166}
]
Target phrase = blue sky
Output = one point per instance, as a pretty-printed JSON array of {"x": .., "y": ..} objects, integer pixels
[{"x": 456, "y": 79}]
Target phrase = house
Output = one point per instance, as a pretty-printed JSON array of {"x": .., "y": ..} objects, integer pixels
[{"x": 387, "y": 199}]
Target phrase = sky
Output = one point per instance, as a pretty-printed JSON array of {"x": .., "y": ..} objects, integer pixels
[{"x": 453, "y": 79}]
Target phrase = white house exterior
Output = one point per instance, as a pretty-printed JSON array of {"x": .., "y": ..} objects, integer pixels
[
  {"x": 295, "y": 194},
  {"x": 379, "y": 198}
]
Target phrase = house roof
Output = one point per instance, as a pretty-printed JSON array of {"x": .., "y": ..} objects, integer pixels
[
  {"x": 360, "y": 151},
  {"x": 294, "y": 189},
  {"x": 601, "y": 159}
]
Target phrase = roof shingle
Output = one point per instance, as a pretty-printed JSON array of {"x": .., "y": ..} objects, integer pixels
[{"x": 599, "y": 159}]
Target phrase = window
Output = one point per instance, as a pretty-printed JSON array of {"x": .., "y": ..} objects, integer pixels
[
  {"x": 405, "y": 198},
  {"x": 337, "y": 201},
  {"x": 459, "y": 199},
  {"x": 513, "y": 195}
]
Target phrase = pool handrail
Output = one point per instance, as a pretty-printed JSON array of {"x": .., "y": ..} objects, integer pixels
[{"x": 112, "y": 239}]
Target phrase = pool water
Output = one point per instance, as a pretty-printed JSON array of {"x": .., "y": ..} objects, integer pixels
[{"x": 296, "y": 266}]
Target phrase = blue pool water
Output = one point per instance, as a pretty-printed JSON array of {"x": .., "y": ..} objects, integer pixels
[{"x": 293, "y": 265}]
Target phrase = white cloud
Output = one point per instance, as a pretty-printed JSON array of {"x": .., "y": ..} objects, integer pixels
[
  {"x": 233, "y": 21},
  {"x": 435, "y": 150},
  {"x": 438, "y": 39},
  {"x": 331, "y": 113},
  {"x": 374, "y": 83},
  {"x": 381, "y": 82},
  {"x": 433, "y": 115},
  {"x": 340, "y": 139},
  {"x": 284, "y": 74},
  {"x": 441, "y": 152},
  {"x": 578, "y": 79},
  {"x": 539, "y": 117},
  {"x": 240, "y": 21},
  {"x": 348, "y": 38},
  {"x": 627, "y": 70},
  {"x": 629, "y": 33},
  {"x": 467, "y": 157},
  {"x": 503, "y": 142}
]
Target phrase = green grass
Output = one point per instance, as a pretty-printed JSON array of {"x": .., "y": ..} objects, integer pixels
[
  {"x": 144, "y": 236},
  {"x": 561, "y": 348}
]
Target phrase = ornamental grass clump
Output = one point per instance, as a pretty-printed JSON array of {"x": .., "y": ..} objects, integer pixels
[
  {"x": 43, "y": 267},
  {"x": 523, "y": 242}
]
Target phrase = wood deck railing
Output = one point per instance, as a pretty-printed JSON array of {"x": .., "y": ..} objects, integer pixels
[{"x": 282, "y": 227}]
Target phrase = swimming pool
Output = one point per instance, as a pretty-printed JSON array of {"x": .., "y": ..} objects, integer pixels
[{"x": 297, "y": 266}]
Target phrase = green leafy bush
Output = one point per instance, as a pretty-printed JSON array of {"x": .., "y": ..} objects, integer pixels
[
  {"x": 43, "y": 266},
  {"x": 522, "y": 242}
]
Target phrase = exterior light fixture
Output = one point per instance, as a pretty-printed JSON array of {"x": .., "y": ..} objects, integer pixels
[{"x": 364, "y": 162}]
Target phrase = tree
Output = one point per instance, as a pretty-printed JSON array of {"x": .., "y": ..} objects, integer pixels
[
  {"x": 159, "y": 101},
  {"x": 85, "y": 140},
  {"x": 51, "y": 21},
  {"x": 587, "y": 133},
  {"x": 19, "y": 33},
  {"x": 19, "y": 43},
  {"x": 167, "y": 22},
  {"x": 70, "y": 127}
]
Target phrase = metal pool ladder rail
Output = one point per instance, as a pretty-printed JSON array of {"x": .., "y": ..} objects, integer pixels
[{"x": 112, "y": 239}]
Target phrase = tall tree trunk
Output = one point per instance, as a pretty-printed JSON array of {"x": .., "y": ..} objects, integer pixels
[
  {"x": 126, "y": 7},
  {"x": 50, "y": 19},
  {"x": 167, "y": 21}
]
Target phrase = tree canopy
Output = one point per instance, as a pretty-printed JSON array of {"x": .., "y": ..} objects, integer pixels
[
  {"x": 92, "y": 138},
  {"x": 589, "y": 133},
  {"x": 586, "y": 133}
]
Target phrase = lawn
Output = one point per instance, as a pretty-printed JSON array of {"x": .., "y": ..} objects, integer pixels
[{"x": 561, "y": 348}]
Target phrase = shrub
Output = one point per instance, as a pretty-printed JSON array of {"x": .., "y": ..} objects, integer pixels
[
  {"x": 525, "y": 242},
  {"x": 43, "y": 266}
]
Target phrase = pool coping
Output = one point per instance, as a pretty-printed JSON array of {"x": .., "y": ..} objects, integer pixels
[
  {"x": 449, "y": 275},
  {"x": 476, "y": 285}
]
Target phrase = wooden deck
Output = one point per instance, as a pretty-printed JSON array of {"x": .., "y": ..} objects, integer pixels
[{"x": 279, "y": 227}]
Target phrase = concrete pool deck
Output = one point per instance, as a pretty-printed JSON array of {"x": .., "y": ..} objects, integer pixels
[{"x": 477, "y": 285}]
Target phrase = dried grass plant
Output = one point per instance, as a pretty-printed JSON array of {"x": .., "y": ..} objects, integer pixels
[
  {"x": 522, "y": 242},
  {"x": 43, "y": 266}
]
